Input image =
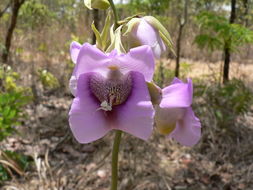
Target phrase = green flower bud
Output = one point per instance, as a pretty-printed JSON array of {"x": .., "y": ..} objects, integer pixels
[{"x": 97, "y": 4}]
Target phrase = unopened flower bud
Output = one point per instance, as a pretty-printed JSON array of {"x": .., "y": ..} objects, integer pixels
[{"x": 148, "y": 31}]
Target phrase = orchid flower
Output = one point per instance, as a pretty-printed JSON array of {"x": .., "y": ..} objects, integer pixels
[
  {"x": 174, "y": 116},
  {"x": 110, "y": 92}
]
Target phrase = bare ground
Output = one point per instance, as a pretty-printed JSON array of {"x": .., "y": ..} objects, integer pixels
[{"x": 60, "y": 163}]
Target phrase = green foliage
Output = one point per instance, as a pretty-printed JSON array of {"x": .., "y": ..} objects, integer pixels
[
  {"x": 42, "y": 47},
  {"x": 217, "y": 33},
  {"x": 3, "y": 174},
  {"x": 5, "y": 17},
  {"x": 210, "y": 42},
  {"x": 33, "y": 14},
  {"x": 163, "y": 75},
  {"x": 65, "y": 11},
  {"x": 225, "y": 102},
  {"x": 185, "y": 68},
  {"x": 48, "y": 80},
  {"x": 9, "y": 79},
  {"x": 149, "y": 6},
  {"x": 19, "y": 50},
  {"x": 2, "y": 47},
  {"x": 21, "y": 160},
  {"x": 11, "y": 109},
  {"x": 12, "y": 100}
]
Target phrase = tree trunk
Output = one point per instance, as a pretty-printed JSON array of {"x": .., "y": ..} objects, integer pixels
[
  {"x": 228, "y": 44},
  {"x": 226, "y": 65},
  {"x": 16, "y": 4},
  {"x": 179, "y": 38},
  {"x": 178, "y": 51},
  {"x": 96, "y": 23},
  {"x": 233, "y": 12},
  {"x": 246, "y": 12}
]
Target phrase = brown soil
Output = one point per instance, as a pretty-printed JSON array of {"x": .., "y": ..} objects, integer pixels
[{"x": 60, "y": 163}]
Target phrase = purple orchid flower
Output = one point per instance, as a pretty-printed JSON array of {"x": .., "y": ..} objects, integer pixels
[
  {"x": 110, "y": 92},
  {"x": 174, "y": 116}
]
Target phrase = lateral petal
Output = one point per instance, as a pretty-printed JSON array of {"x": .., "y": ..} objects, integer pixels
[
  {"x": 139, "y": 59},
  {"x": 74, "y": 50},
  {"x": 188, "y": 129},
  {"x": 177, "y": 95},
  {"x": 136, "y": 115},
  {"x": 86, "y": 122}
]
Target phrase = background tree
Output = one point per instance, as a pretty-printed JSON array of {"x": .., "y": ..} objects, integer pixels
[
  {"x": 182, "y": 20},
  {"x": 217, "y": 33},
  {"x": 227, "y": 44},
  {"x": 15, "y": 5},
  {"x": 95, "y": 13}
]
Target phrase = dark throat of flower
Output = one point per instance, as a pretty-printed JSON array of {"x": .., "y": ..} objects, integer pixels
[{"x": 112, "y": 90}]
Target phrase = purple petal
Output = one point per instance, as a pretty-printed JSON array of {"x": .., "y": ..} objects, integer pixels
[
  {"x": 137, "y": 114},
  {"x": 74, "y": 50},
  {"x": 176, "y": 80},
  {"x": 177, "y": 95},
  {"x": 87, "y": 124},
  {"x": 138, "y": 59},
  {"x": 159, "y": 48},
  {"x": 113, "y": 53},
  {"x": 91, "y": 59},
  {"x": 188, "y": 129},
  {"x": 150, "y": 38}
]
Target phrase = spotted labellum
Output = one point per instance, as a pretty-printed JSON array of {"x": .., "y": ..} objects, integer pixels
[{"x": 113, "y": 90}]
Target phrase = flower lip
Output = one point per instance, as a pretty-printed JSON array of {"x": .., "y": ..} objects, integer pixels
[
  {"x": 134, "y": 116},
  {"x": 111, "y": 91}
]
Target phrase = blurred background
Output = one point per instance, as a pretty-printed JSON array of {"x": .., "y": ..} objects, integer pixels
[{"x": 213, "y": 41}]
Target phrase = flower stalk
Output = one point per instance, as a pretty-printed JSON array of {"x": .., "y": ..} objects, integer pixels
[
  {"x": 115, "y": 13},
  {"x": 117, "y": 138},
  {"x": 115, "y": 151}
]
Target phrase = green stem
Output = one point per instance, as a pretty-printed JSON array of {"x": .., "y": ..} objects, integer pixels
[
  {"x": 115, "y": 151},
  {"x": 116, "y": 17},
  {"x": 117, "y": 138}
]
